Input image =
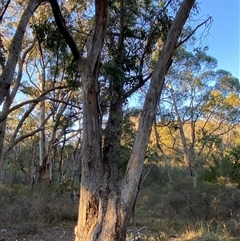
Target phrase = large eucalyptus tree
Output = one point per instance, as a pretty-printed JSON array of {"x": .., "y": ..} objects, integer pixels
[
  {"x": 106, "y": 198},
  {"x": 114, "y": 62}
]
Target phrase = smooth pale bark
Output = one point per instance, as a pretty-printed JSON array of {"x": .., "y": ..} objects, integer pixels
[
  {"x": 42, "y": 141},
  {"x": 130, "y": 183},
  {"x": 15, "y": 49},
  {"x": 42, "y": 138},
  {"x": 105, "y": 203}
]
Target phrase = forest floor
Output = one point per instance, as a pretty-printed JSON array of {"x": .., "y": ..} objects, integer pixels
[
  {"x": 65, "y": 233},
  {"x": 176, "y": 212},
  {"x": 55, "y": 233}
]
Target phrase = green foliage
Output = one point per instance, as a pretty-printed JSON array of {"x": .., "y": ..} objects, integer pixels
[
  {"x": 29, "y": 90},
  {"x": 124, "y": 157},
  {"x": 73, "y": 76},
  {"x": 48, "y": 34},
  {"x": 66, "y": 185},
  {"x": 204, "y": 102},
  {"x": 135, "y": 34},
  {"x": 233, "y": 158},
  {"x": 166, "y": 23},
  {"x": 54, "y": 45},
  {"x": 224, "y": 168},
  {"x": 209, "y": 139}
]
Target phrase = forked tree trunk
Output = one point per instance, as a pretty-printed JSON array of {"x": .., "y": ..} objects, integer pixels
[{"x": 106, "y": 203}]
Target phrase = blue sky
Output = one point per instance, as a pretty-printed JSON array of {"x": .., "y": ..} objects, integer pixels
[{"x": 223, "y": 38}]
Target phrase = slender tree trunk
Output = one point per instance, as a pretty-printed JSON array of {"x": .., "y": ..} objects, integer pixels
[
  {"x": 43, "y": 160},
  {"x": 186, "y": 156},
  {"x": 32, "y": 165},
  {"x": 2, "y": 160},
  {"x": 42, "y": 142},
  {"x": 106, "y": 204}
]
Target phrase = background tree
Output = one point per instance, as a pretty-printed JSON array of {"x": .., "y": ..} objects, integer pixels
[
  {"x": 8, "y": 70},
  {"x": 37, "y": 63},
  {"x": 204, "y": 101}
]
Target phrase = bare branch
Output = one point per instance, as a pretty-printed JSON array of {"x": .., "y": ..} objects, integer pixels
[
  {"x": 41, "y": 97},
  {"x": 194, "y": 31},
  {"x": 4, "y": 10}
]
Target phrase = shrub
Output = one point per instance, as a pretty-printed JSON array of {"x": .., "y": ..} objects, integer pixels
[{"x": 40, "y": 206}]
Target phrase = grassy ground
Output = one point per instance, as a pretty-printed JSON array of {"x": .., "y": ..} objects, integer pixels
[{"x": 210, "y": 212}]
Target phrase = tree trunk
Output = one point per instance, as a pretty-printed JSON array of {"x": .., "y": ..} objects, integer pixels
[
  {"x": 186, "y": 156},
  {"x": 106, "y": 203},
  {"x": 42, "y": 141},
  {"x": 15, "y": 49},
  {"x": 2, "y": 160}
]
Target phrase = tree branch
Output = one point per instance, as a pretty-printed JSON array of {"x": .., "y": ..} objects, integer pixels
[
  {"x": 2, "y": 118},
  {"x": 15, "y": 49},
  {"x": 194, "y": 31},
  {"x": 4, "y": 10},
  {"x": 60, "y": 21}
]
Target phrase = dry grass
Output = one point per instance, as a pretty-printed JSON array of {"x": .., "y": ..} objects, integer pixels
[
  {"x": 42, "y": 206},
  {"x": 163, "y": 212},
  {"x": 210, "y": 212}
]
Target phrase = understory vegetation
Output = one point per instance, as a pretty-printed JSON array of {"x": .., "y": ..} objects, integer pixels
[{"x": 164, "y": 211}]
